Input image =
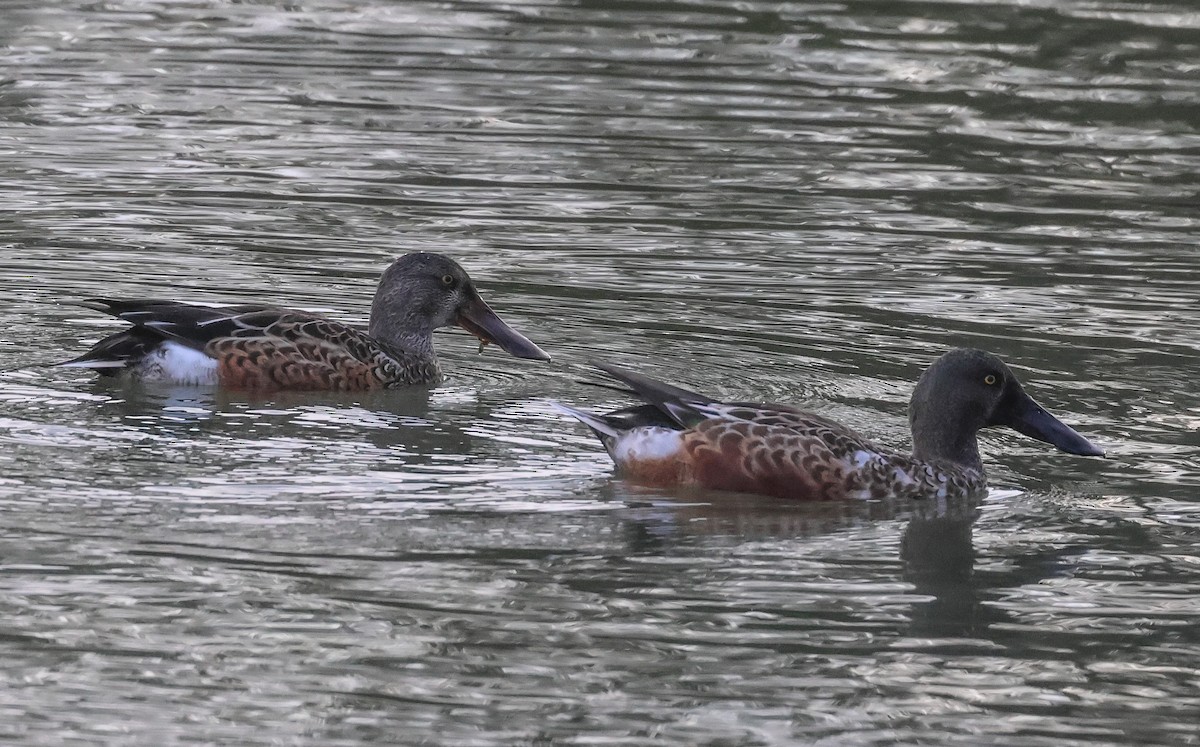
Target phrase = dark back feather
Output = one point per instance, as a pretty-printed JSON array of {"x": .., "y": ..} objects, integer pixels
[
  {"x": 194, "y": 326},
  {"x": 674, "y": 402}
]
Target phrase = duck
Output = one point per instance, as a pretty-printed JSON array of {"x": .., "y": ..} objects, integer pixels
[
  {"x": 679, "y": 438},
  {"x": 266, "y": 348}
]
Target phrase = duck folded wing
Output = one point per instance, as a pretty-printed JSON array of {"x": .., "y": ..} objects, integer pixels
[{"x": 196, "y": 326}]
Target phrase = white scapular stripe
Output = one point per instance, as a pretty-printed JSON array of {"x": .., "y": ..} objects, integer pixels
[{"x": 92, "y": 364}]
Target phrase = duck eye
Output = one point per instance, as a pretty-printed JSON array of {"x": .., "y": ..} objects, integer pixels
[
  {"x": 990, "y": 380},
  {"x": 447, "y": 280}
]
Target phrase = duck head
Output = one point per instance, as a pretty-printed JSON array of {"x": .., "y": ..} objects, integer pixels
[
  {"x": 422, "y": 291},
  {"x": 966, "y": 390}
]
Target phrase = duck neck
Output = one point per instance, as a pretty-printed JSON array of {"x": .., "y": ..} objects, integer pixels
[
  {"x": 933, "y": 441},
  {"x": 398, "y": 327}
]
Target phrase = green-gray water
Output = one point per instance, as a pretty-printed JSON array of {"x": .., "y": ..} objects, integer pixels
[{"x": 788, "y": 201}]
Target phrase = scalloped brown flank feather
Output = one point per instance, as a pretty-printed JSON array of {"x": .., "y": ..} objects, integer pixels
[
  {"x": 785, "y": 452},
  {"x": 303, "y": 352}
]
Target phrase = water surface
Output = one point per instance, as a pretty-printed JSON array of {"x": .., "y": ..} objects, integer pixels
[{"x": 805, "y": 202}]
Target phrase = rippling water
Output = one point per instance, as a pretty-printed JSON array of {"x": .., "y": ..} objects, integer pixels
[{"x": 799, "y": 201}]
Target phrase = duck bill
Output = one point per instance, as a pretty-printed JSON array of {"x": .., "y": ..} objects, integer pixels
[
  {"x": 1031, "y": 419},
  {"x": 479, "y": 319}
]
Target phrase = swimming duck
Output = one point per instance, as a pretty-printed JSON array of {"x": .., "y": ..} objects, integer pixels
[
  {"x": 687, "y": 439},
  {"x": 257, "y": 347}
]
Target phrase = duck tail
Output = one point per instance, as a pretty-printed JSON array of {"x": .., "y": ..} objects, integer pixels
[
  {"x": 603, "y": 429},
  {"x": 116, "y": 352}
]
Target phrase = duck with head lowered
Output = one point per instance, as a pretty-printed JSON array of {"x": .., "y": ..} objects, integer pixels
[
  {"x": 682, "y": 438},
  {"x": 265, "y": 348}
]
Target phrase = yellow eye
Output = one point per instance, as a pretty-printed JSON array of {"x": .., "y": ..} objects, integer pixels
[
  {"x": 447, "y": 280},
  {"x": 990, "y": 380}
]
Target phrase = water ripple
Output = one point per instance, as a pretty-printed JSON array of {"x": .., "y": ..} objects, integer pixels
[{"x": 804, "y": 203}]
